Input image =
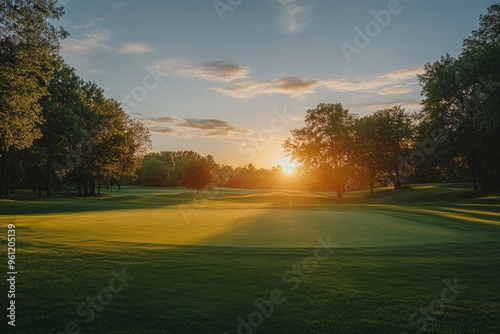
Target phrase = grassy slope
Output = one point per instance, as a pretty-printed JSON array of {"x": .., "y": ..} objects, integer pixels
[{"x": 396, "y": 250}]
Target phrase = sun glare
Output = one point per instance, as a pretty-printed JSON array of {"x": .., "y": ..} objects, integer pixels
[{"x": 287, "y": 166}]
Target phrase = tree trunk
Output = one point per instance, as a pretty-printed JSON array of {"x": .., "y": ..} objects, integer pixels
[
  {"x": 397, "y": 180},
  {"x": 12, "y": 185},
  {"x": 49, "y": 179},
  {"x": 3, "y": 175},
  {"x": 372, "y": 177},
  {"x": 92, "y": 188}
]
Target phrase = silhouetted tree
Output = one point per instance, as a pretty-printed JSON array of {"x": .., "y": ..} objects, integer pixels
[{"x": 197, "y": 174}]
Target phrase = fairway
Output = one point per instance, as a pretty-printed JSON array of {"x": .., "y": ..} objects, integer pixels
[
  {"x": 233, "y": 218},
  {"x": 235, "y": 225},
  {"x": 201, "y": 262}
]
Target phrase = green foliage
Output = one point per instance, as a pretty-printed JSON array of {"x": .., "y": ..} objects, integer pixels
[
  {"x": 338, "y": 147},
  {"x": 462, "y": 97},
  {"x": 29, "y": 46},
  {"x": 153, "y": 172},
  {"x": 323, "y": 145},
  {"x": 28, "y": 56},
  {"x": 86, "y": 139},
  {"x": 164, "y": 169},
  {"x": 394, "y": 130},
  {"x": 488, "y": 32},
  {"x": 198, "y": 174},
  {"x": 368, "y": 151}
]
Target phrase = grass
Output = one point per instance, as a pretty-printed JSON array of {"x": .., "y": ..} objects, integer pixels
[{"x": 200, "y": 262}]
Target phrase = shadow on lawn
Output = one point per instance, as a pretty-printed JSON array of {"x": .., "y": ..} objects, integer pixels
[{"x": 122, "y": 201}]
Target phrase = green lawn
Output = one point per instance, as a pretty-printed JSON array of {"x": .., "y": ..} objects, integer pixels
[{"x": 205, "y": 264}]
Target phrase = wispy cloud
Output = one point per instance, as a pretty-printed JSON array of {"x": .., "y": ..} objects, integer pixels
[
  {"x": 191, "y": 127},
  {"x": 392, "y": 83},
  {"x": 240, "y": 84},
  {"x": 96, "y": 38},
  {"x": 135, "y": 48},
  {"x": 397, "y": 89},
  {"x": 218, "y": 70},
  {"x": 297, "y": 87},
  {"x": 173, "y": 66},
  {"x": 293, "y": 17}
]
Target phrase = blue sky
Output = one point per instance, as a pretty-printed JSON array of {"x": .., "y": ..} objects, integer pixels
[{"x": 231, "y": 77}]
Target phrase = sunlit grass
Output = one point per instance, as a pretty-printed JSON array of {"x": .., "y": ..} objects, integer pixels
[
  {"x": 251, "y": 219},
  {"x": 201, "y": 261}
]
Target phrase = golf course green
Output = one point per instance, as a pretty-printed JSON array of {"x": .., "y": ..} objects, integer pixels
[{"x": 166, "y": 260}]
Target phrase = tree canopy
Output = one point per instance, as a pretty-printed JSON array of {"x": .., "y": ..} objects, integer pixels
[
  {"x": 462, "y": 96},
  {"x": 198, "y": 173}
]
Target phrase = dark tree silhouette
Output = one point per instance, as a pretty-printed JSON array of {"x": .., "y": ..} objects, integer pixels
[{"x": 197, "y": 174}]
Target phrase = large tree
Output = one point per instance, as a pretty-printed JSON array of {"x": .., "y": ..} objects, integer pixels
[
  {"x": 368, "y": 150},
  {"x": 198, "y": 174},
  {"x": 323, "y": 145},
  {"x": 393, "y": 133},
  {"x": 462, "y": 97},
  {"x": 29, "y": 46},
  {"x": 135, "y": 144},
  {"x": 61, "y": 129},
  {"x": 153, "y": 172}
]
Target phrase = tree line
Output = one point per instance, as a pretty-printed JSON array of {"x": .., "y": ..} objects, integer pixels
[
  {"x": 191, "y": 170},
  {"x": 56, "y": 128}
]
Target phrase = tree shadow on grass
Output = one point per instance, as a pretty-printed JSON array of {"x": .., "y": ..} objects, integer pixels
[{"x": 122, "y": 201}]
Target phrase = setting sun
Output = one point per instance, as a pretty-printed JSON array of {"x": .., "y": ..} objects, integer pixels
[{"x": 287, "y": 166}]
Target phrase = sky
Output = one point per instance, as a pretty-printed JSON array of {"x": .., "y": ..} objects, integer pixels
[{"x": 231, "y": 78}]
